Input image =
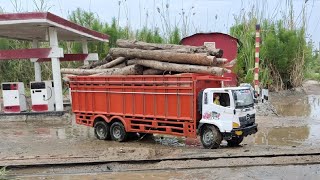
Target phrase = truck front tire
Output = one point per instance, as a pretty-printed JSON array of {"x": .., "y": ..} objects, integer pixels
[
  {"x": 102, "y": 130},
  {"x": 235, "y": 141},
  {"x": 118, "y": 132},
  {"x": 210, "y": 137}
]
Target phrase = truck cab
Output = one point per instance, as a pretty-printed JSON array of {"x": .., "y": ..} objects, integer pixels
[{"x": 227, "y": 114}]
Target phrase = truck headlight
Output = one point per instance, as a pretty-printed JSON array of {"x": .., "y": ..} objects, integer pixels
[{"x": 235, "y": 125}]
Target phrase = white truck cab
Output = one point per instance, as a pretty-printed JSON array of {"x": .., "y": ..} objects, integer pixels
[{"x": 231, "y": 117}]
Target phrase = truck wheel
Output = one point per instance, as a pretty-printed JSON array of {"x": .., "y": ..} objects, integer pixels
[
  {"x": 235, "y": 141},
  {"x": 118, "y": 132},
  {"x": 102, "y": 130},
  {"x": 210, "y": 137}
]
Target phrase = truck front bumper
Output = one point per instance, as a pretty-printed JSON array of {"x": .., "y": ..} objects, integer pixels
[{"x": 246, "y": 131}]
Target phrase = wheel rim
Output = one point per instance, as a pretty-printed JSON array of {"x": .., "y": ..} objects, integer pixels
[
  {"x": 208, "y": 136},
  {"x": 116, "y": 132},
  {"x": 101, "y": 131}
]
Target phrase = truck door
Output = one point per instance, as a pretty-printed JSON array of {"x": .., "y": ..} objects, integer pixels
[{"x": 218, "y": 110}]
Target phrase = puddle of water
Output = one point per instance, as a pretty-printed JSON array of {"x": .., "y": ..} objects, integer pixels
[
  {"x": 306, "y": 106},
  {"x": 282, "y": 136},
  {"x": 42, "y": 130},
  {"x": 290, "y": 136}
]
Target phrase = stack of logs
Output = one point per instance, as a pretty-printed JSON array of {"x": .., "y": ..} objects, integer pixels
[{"x": 137, "y": 58}]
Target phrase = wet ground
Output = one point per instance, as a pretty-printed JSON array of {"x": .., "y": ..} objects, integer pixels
[
  {"x": 311, "y": 172},
  {"x": 296, "y": 129}
]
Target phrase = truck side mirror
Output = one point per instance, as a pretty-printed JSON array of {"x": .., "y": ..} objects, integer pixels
[
  {"x": 234, "y": 112},
  {"x": 255, "y": 94}
]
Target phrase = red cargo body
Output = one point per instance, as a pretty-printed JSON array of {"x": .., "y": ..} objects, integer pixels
[{"x": 146, "y": 104}]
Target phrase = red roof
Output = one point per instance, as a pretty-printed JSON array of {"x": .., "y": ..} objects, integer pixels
[
  {"x": 29, "y": 26},
  {"x": 210, "y": 33}
]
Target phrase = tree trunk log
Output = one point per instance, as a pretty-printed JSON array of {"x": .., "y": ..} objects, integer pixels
[
  {"x": 112, "y": 63},
  {"x": 107, "y": 59},
  {"x": 153, "y": 72},
  {"x": 128, "y": 70},
  {"x": 166, "y": 56},
  {"x": 230, "y": 64},
  {"x": 170, "y": 47},
  {"x": 185, "y": 68},
  {"x": 122, "y": 65}
]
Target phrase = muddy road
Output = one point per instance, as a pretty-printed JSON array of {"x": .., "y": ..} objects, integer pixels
[{"x": 295, "y": 130}]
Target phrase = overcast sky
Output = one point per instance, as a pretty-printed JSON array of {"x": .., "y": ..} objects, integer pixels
[{"x": 203, "y": 15}]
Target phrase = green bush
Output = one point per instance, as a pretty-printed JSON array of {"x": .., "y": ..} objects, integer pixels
[{"x": 285, "y": 55}]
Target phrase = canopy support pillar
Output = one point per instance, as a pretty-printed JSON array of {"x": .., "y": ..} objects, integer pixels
[
  {"x": 56, "y": 70},
  {"x": 37, "y": 67},
  {"x": 85, "y": 50}
]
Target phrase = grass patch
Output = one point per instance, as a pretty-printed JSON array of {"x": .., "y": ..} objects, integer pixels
[
  {"x": 315, "y": 76},
  {"x": 3, "y": 173}
]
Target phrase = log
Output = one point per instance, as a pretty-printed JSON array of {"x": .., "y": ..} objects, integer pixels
[
  {"x": 153, "y": 72},
  {"x": 231, "y": 64},
  {"x": 185, "y": 68},
  {"x": 171, "y": 47},
  {"x": 128, "y": 70},
  {"x": 122, "y": 65},
  {"x": 107, "y": 59},
  {"x": 112, "y": 63},
  {"x": 165, "y": 56}
]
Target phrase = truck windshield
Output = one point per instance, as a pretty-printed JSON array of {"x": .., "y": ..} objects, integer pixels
[{"x": 243, "y": 98}]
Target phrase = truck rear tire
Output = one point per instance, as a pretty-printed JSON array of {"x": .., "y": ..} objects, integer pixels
[
  {"x": 235, "y": 141},
  {"x": 118, "y": 132},
  {"x": 102, "y": 130},
  {"x": 210, "y": 137}
]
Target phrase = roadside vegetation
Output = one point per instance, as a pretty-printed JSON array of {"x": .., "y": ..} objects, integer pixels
[
  {"x": 3, "y": 173},
  {"x": 286, "y": 56}
]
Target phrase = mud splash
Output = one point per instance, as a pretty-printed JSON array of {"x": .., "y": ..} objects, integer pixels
[{"x": 170, "y": 140}]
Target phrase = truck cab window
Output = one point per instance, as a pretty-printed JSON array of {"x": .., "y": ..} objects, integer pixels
[{"x": 221, "y": 99}]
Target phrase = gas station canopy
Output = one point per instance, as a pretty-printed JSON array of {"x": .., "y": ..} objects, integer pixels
[
  {"x": 34, "y": 26},
  {"x": 46, "y": 27}
]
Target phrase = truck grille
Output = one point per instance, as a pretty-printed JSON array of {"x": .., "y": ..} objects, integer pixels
[{"x": 247, "y": 120}]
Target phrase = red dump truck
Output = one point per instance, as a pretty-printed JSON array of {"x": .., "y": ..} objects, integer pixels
[{"x": 179, "y": 105}]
